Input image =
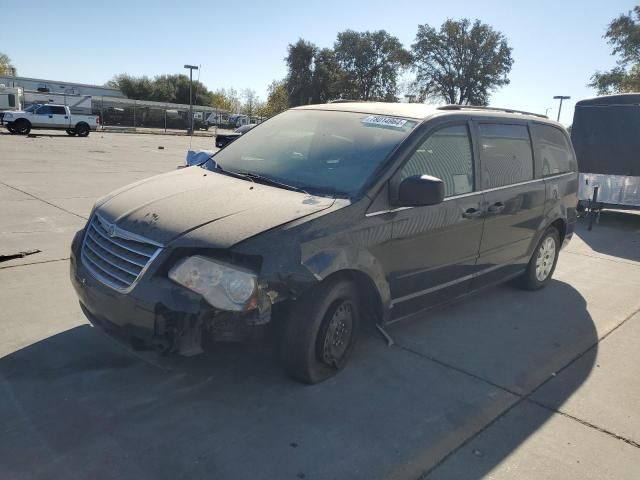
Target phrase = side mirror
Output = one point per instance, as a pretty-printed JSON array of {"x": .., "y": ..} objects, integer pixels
[{"x": 420, "y": 190}]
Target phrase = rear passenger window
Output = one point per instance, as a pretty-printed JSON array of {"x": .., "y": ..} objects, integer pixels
[
  {"x": 505, "y": 151},
  {"x": 446, "y": 154},
  {"x": 553, "y": 152},
  {"x": 58, "y": 110}
]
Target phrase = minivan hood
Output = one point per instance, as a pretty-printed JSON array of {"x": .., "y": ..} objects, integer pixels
[{"x": 167, "y": 206}]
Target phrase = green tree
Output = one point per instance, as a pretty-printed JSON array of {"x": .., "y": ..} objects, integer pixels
[
  {"x": 172, "y": 88},
  {"x": 461, "y": 63},
  {"x": 6, "y": 67},
  {"x": 277, "y": 99},
  {"x": 300, "y": 76},
  {"x": 623, "y": 34},
  {"x": 327, "y": 74},
  {"x": 370, "y": 63}
]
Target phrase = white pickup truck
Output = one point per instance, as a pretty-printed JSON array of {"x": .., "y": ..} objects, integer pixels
[{"x": 49, "y": 117}]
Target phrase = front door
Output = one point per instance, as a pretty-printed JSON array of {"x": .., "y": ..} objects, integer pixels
[
  {"x": 433, "y": 251},
  {"x": 514, "y": 200}
]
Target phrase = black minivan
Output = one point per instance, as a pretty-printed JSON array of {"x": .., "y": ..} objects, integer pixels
[{"x": 326, "y": 217}]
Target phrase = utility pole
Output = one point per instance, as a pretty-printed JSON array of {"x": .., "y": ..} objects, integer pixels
[
  {"x": 191, "y": 69},
  {"x": 561, "y": 98}
]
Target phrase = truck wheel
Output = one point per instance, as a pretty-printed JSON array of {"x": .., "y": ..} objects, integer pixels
[
  {"x": 82, "y": 130},
  {"x": 11, "y": 129},
  {"x": 71, "y": 132},
  {"x": 320, "y": 332},
  {"x": 22, "y": 127},
  {"x": 543, "y": 261}
]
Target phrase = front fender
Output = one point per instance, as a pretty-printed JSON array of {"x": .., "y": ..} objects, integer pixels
[{"x": 329, "y": 261}]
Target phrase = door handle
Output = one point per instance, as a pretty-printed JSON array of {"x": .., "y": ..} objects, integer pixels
[
  {"x": 50, "y": 116},
  {"x": 496, "y": 207},
  {"x": 472, "y": 213}
]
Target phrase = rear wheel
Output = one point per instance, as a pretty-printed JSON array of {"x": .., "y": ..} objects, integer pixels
[
  {"x": 543, "y": 261},
  {"x": 82, "y": 129},
  {"x": 320, "y": 332},
  {"x": 22, "y": 127}
]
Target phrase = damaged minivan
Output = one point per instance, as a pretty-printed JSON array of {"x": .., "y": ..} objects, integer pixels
[{"x": 325, "y": 218}]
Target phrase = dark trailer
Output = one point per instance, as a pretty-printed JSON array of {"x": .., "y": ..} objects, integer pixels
[{"x": 606, "y": 137}]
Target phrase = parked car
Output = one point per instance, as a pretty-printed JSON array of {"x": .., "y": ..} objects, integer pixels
[
  {"x": 49, "y": 117},
  {"x": 325, "y": 217},
  {"x": 224, "y": 139}
]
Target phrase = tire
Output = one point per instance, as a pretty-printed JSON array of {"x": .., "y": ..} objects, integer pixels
[
  {"x": 320, "y": 332},
  {"x": 71, "y": 132},
  {"x": 12, "y": 130},
  {"x": 22, "y": 126},
  {"x": 82, "y": 130},
  {"x": 543, "y": 262}
]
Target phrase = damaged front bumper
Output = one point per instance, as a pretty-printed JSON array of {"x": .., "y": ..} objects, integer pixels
[{"x": 161, "y": 314}]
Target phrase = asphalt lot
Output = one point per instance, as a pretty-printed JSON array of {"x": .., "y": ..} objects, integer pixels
[{"x": 505, "y": 384}]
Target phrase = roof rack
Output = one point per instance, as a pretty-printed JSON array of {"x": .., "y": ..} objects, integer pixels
[
  {"x": 345, "y": 100},
  {"x": 490, "y": 109}
]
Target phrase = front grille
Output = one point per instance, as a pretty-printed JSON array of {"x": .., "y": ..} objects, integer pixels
[{"x": 116, "y": 257}]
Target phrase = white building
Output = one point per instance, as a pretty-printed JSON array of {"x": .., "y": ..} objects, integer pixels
[{"x": 54, "y": 86}]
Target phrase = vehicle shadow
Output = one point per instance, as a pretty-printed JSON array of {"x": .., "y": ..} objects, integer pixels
[
  {"x": 79, "y": 405},
  {"x": 610, "y": 225}
]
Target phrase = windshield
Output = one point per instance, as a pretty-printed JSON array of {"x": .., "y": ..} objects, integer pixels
[
  {"x": 33, "y": 107},
  {"x": 322, "y": 152}
]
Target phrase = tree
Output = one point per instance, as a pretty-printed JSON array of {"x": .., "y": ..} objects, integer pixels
[
  {"x": 623, "y": 34},
  {"x": 251, "y": 102},
  {"x": 163, "y": 88},
  {"x": 299, "y": 79},
  {"x": 6, "y": 67},
  {"x": 370, "y": 63},
  {"x": 461, "y": 63},
  {"x": 327, "y": 74},
  {"x": 277, "y": 99}
]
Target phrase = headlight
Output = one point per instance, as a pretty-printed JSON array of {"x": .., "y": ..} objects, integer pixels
[
  {"x": 224, "y": 286},
  {"x": 8, "y": 115}
]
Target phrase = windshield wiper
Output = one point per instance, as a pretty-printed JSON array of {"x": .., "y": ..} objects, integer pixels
[{"x": 268, "y": 180}]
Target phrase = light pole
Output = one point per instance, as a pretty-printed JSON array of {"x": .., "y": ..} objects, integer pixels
[
  {"x": 561, "y": 98},
  {"x": 191, "y": 69}
]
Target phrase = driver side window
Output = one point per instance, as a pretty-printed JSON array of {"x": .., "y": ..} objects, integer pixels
[
  {"x": 45, "y": 110},
  {"x": 447, "y": 155}
]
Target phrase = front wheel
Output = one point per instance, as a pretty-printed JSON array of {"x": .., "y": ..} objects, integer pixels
[
  {"x": 11, "y": 130},
  {"x": 543, "y": 261},
  {"x": 320, "y": 332},
  {"x": 22, "y": 127}
]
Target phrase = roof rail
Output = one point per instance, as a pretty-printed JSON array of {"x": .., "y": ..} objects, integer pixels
[
  {"x": 345, "y": 100},
  {"x": 490, "y": 109}
]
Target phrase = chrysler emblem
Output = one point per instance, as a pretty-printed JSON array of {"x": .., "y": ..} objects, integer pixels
[{"x": 111, "y": 230}]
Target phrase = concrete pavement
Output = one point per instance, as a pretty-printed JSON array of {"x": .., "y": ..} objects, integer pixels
[{"x": 505, "y": 384}]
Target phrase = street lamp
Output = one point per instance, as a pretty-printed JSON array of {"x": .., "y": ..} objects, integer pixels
[
  {"x": 561, "y": 98},
  {"x": 191, "y": 69}
]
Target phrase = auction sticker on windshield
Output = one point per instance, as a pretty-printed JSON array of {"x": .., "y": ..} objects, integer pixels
[{"x": 384, "y": 121}]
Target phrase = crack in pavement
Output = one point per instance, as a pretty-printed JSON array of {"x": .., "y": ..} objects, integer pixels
[
  {"x": 34, "y": 263},
  {"x": 523, "y": 398},
  {"x": 43, "y": 200}
]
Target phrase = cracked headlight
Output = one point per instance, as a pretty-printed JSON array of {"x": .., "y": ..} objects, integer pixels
[{"x": 224, "y": 286}]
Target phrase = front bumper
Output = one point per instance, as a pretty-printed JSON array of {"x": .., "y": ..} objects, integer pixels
[{"x": 157, "y": 312}]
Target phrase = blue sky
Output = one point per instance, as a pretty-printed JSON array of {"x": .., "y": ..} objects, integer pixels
[{"x": 556, "y": 45}]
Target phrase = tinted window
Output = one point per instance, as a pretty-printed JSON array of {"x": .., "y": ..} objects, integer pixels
[
  {"x": 323, "y": 152},
  {"x": 505, "y": 151},
  {"x": 12, "y": 100},
  {"x": 45, "y": 110},
  {"x": 446, "y": 154},
  {"x": 58, "y": 110},
  {"x": 554, "y": 154}
]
